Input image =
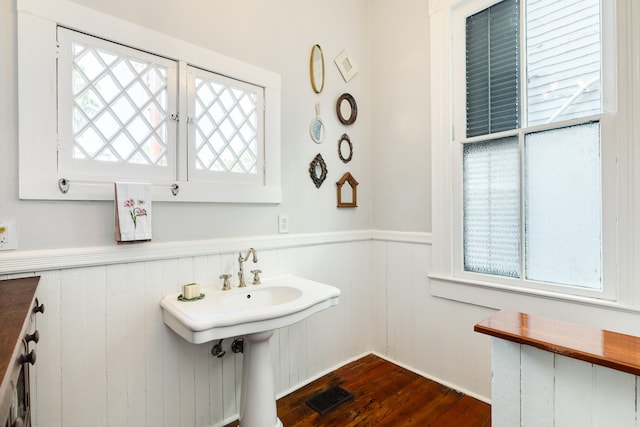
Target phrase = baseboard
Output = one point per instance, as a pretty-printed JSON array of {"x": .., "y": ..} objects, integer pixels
[
  {"x": 319, "y": 375},
  {"x": 436, "y": 379}
]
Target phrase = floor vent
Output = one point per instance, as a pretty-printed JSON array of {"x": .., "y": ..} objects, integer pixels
[{"x": 329, "y": 399}]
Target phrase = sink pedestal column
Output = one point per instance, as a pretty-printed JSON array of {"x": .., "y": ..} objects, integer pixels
[{"x": 257, "y": 396}]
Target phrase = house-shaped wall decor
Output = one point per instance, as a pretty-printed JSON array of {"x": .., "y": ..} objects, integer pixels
[{"x": 347, "y": 199}]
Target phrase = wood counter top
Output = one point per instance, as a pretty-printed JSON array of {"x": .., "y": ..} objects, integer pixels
[
  {"x": 601, "y": 347},
  {"x": 16, "y": 304}
]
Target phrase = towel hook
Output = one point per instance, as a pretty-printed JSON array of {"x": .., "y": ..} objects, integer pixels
[{"x": 63, "y": 185}]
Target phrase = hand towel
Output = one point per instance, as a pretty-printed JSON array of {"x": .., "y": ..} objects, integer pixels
[{"x": 132, "y": 211}]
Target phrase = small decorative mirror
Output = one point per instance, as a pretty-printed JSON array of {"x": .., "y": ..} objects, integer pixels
[
  {"x": 345, "y": 64},
  {"x": 345, "y": 148},
  {"x": 347, "y": 191},
  {"x": 318, "y": 170},
  {"x": 347, "y": 109},
  {"x": 316, "y": 127},
  {"x": 316, "y": 68}
]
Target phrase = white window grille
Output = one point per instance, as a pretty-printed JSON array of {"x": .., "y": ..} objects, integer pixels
[
  {"x": 115, "y": 107},
  {"x": 110, "y": 100},
  {"x": 227, "y": 130}
]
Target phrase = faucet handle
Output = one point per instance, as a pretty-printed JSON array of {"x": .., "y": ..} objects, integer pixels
[
  {"x": 256, "y": 276},
  {"x": 226, "y": 285}
]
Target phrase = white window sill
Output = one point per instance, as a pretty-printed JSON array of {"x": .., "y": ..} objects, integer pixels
[{"x": 500, "y": 297}]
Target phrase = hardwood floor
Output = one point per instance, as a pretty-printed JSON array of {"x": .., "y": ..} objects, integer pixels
[{"x": 384, "y": 395}]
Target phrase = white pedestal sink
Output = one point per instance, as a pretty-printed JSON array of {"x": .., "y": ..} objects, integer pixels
[{"x": 253, "y": 312}]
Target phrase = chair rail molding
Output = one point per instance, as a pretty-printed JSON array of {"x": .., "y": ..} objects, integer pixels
[{"x": 27, "y": 262}]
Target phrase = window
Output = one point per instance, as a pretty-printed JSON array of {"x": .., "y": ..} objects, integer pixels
[
  {"x": 95, "y": 108},
  {"x": 224, "y": 140},
  {"x": 114, "y": 110},
  {"x": 532, "y": 145}
]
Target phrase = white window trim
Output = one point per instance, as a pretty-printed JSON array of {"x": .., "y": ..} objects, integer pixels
[
  {"x": 447, "y": 281},
  {"x": 38, "y": 175}
]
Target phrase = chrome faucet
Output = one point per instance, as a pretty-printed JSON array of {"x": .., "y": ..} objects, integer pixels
[{"x": 241, "y": 261}]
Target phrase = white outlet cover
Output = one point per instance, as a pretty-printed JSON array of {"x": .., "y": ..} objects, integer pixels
[
  {"x": 9, "y": 237},
  {"x": 283, "y": 223}
]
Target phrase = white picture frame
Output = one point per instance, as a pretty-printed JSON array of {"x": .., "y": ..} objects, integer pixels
[{"x": 345, "y": 64}]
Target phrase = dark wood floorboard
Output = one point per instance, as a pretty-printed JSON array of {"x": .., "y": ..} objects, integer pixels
[{"x": 384, "y": 395}]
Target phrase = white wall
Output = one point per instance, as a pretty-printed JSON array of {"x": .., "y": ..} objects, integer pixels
[
  {"x": 275, "y": 36},
  {"x": 400, "y": 105}
]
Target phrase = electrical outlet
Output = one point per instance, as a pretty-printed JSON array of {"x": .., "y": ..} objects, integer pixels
[
  {"x": 283, "y": 223},
  {"x": 8, "y": 236}
]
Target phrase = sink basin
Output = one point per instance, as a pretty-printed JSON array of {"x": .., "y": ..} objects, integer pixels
[
  {"x": 253, "y": 312},
  {"x": 260, "y": 298},
  {"x": 276, "y": 302}
]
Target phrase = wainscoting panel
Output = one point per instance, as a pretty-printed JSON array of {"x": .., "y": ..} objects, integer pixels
[
  {"x": 428, "y": 335},
  {"x": 533, "y": 387},
  {"x": 105, "y": 357}
]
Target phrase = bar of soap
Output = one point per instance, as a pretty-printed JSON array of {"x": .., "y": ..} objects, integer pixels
[{"x": 191, "y": 291}]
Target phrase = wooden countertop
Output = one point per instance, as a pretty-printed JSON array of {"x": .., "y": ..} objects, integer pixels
[
  {"x": 601, "y": 347},
  {"x": 16, "y": 303}
]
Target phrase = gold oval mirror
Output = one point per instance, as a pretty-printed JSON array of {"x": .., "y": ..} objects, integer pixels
[{"x": 316, "y": 68}]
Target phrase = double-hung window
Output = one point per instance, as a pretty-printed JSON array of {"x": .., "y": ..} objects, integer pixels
[
  {"x": 531, "y": 144},
  {"x": 99, "y": 105}
]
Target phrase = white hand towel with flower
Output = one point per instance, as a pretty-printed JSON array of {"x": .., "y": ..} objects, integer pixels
[{"x": 132, "y": 211}]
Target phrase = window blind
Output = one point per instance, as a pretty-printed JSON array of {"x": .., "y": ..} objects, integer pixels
[{"x": 492, "y": 69}]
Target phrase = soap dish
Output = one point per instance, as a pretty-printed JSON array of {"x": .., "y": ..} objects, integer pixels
[{"x": 181, "y": 298}]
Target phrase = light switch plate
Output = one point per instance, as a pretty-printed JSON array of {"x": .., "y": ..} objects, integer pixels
[{"x": 8, "y": 234}]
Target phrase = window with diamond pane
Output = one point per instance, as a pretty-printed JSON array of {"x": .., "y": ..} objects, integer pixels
[
  {"x": 227, "y": 126},
  {"x": 120, "y": 109}
]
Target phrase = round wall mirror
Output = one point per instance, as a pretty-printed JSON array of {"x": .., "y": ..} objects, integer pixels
[
  {"x": 345, "y": 148},
  {"x": 346, "y": 109},
  {"x": 316, "y": 68}
]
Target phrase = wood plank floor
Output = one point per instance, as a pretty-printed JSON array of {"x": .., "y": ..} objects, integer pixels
[{"x": 384, "y": 395}]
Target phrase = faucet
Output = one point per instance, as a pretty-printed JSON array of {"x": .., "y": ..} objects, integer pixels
[{"x": 241, "y": 261}]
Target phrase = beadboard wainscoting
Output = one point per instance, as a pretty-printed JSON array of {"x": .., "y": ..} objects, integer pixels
[
  {"x": 428, "y": 335},
  {"x": 106, "y": 358}
]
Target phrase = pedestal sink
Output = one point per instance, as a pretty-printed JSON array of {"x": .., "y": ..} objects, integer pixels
[{"x": 253, "y": 312}]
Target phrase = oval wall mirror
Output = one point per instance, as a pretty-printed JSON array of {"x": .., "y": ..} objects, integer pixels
[
  {"x": 346, "y": 109},
  {"x": 316, "y": 68},
  {"x": 345, "y": 148},
  {"x": 316, "y": 127}
]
